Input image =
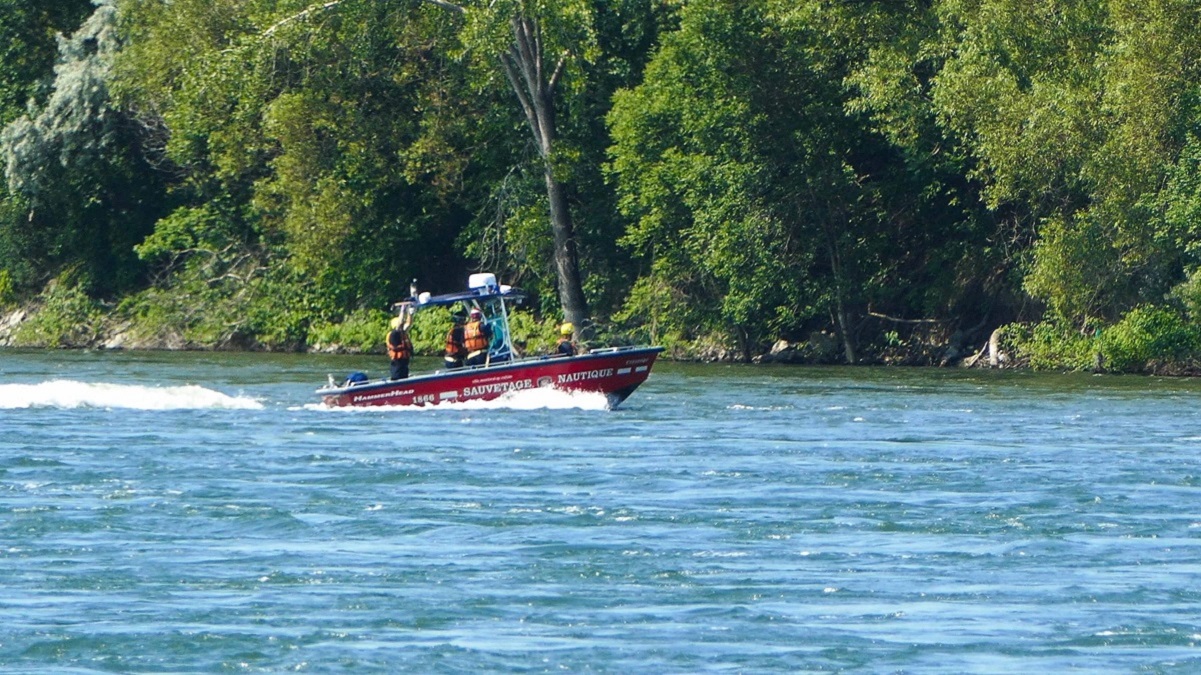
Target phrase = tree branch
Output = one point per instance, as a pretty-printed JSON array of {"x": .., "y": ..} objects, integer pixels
[
  {"x": 301, "y": 15},
  {"x": 896, "y": 320},
  {"x": 447, "y": 5},
  {"x": 525, "y": 56},
  {"x": 527, "y": 106},
  {"x": 334, "y": 3},
  {"x": 534, "y": 31},
  {"x": 554, "y": 78}
]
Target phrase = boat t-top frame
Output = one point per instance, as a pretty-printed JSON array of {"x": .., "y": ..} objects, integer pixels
[{"x": 484, "y": 294}]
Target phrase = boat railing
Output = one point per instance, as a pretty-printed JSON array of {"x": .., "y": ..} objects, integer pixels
[{"x": 612, "y": 350}]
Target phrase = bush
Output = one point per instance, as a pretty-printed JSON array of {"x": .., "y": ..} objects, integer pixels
[
  {"x": 1146, "y": 336},
  {"x": 276, "y": 310},
  {"x": 428, "y": 332},
  {"x": 8, "y": 293},
  {"x": 363, "y": 330},
  {"x": 532, "y": 337},
  {"x": 66, "y": 317},
  {"x": 201, "y": 307},
  {"x": 1052, "y": 345},
  {"x": 1188, "y": 294}
]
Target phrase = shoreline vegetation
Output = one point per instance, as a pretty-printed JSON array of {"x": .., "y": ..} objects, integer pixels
[
  {"x": 981, "y": 183},
  {"x": 1142, "y": 350}
]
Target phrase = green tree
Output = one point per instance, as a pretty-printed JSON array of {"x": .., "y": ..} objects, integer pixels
[
  {"x": 781, "y": 161},
  {"x": 304, "y": 141},
  {"x": 732, "y": 201},
  {"x": 517, "y": 240},
  {"x": 537, "y": 45},
  {"x": 85, "y": 195},
  {"x": 543, "y": 50},
  {"x": 28, "y": 49},
  {"x": 951, "y": 259},
  {"x": 1074, "y": 111},
  {"x": 28, "y": 29}
]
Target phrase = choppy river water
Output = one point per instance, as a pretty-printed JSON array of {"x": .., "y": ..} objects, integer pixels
[{"x": 198, "y": 513}]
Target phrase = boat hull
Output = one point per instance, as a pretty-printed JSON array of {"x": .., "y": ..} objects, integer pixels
[{"x": 616, "y": 373}]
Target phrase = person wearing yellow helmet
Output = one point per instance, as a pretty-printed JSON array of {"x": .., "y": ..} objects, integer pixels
[
  {"x": 566, "y": 347},
  {"x": 400, "y": 348}
]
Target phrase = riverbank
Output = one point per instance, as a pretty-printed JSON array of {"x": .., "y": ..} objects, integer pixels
[
  {"x": 1154, "y": 342},
  {"x": 45, "y": 327}
]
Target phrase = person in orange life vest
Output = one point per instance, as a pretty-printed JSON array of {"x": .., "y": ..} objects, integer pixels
[
  {"x": 565, "y": 347},
  {"x": 476, "y": 337},
  {"x": 400, "y": 349},
  {"x": 456, "y": 352}
]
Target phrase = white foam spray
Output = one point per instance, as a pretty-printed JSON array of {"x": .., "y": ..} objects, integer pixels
[{"x": 71, "y": 394}]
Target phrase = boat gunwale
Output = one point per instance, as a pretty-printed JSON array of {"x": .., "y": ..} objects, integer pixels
[{"x": 524, "y": 362}]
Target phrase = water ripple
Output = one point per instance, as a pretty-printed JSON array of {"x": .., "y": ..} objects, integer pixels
[{"x": 734, "y": 519}]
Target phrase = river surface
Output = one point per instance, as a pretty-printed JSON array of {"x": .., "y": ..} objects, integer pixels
[{"x": 165, "y": 512}]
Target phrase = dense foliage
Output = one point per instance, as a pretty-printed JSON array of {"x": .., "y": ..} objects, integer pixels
[{"x": 872, "y": 181}]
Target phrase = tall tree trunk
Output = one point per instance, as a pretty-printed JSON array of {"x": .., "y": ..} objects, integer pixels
[
  {"x": 841, "y": 321},
  {"x": 535, "y": 90},
  {"x": 567, "y": 262}
]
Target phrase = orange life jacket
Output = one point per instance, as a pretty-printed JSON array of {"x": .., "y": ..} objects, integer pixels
[
  {"x": 474, "y": 339},
  {"x": 403, "y": 350},
  {"x": 454, "y": 342}
]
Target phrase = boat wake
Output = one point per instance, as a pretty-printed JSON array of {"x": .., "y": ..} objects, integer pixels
[
  {"x": 541, "y": 398},
  {"x": 71, "y": 394}
]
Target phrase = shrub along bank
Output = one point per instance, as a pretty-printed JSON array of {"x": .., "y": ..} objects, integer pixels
[{"x": 1150, "y": 339}]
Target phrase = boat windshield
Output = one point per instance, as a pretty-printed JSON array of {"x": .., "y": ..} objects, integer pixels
[{"x": 496, "y": 317}]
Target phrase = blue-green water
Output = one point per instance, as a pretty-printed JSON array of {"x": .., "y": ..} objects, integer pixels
[{"x": 196, "y": 513}]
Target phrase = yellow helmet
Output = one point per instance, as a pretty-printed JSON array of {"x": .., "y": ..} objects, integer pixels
[
  {"x": 566, "y": 329},
  {"x": 395, "y": 323}
]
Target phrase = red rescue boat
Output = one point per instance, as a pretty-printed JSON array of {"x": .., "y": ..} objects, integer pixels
[{"x": 615, "y": 372}]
